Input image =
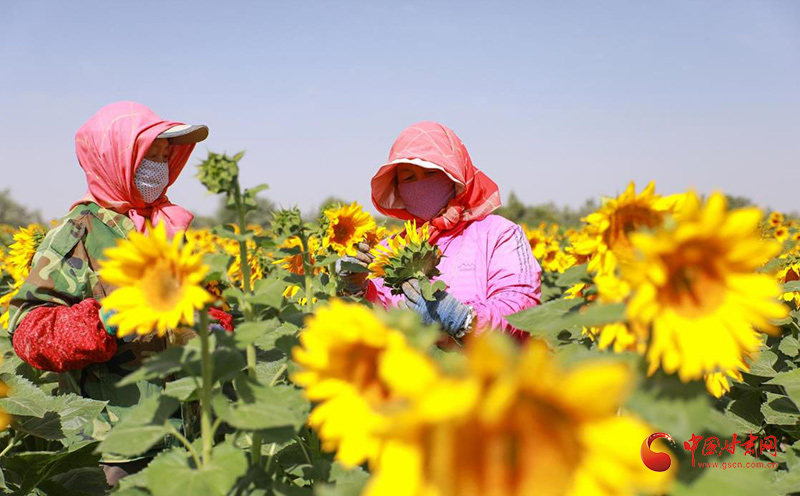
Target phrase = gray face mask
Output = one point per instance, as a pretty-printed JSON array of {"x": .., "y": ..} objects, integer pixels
[{"x": 151, "y": 179}]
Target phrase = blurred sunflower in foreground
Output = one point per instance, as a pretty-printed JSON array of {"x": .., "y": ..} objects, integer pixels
[
  {"x": 696, "y": 288},
  {"x": 499, "y": 420},
  {"x": 160, "y": 283},
  {"x": 605, "y": 240}
]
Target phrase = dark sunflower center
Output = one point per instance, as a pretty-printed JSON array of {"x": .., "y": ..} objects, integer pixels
[
  {"x": 627, "y": 220},
  {"x": 343, "y": 231},
  {"x": 695, "y": 284}
]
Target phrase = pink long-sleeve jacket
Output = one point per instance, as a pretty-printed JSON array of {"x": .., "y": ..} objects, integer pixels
[{"x": 489, "y": 266}]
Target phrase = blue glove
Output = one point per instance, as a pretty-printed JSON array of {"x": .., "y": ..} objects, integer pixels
[
  {"x": 446, "y": 309},
  {"x": 104, "y": 316}
]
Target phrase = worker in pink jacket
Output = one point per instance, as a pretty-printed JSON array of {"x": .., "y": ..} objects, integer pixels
[{"x": 487, "y": 262}]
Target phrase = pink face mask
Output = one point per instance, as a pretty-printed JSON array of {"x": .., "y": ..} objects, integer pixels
[{"x": 427, "y": 197}]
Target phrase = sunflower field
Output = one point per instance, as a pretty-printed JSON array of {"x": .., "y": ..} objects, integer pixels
[{"x": 660, "y": 314}]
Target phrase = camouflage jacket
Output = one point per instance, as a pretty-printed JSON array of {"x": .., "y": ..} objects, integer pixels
[{"x": 64, "y": 272}]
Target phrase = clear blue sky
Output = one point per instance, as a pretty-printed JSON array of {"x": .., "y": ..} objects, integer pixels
[{"x": 557, "y": 101}]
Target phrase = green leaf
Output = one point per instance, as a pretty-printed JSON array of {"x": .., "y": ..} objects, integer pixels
[
  {"x": 283, "y": 338},
  {"x": 262, "y": 407},
  {"x": 268, "y": 292},
  {"x": 250, "y": 332},
  {"x": 33, "y": 467},
  {"x": 182, "y": 389},
  {"x": 354, "y": 268},
  {"x": 789, "y": 346},
  {"x": 162, "y": 365},
  {"x": 557, "y": 315},
  {"x": 345, "y": 482},
  {"x": 672, "y": 406},
  {"x": 142, "y": 428},
  {"x": 24, "y": 398},
  {"x": 786, "y": 481},
  {"x": 735, "y": 480},
  {"x": 545, "y": 318},
  {"x": 599, "y": 314},
  {"x": 764, "y": 365},
  {"x": 779, "y": 410},
  {"x": 791, "y": 286},
  {"x": 790, "y": 381},
  {"x": 85, "y": 481},
  {"x": 171, "y": 475},
  {"x": 227, "y": 363},
  {"x": 745, "y": 410},
  {"x": 218, "y": 264},
  {"x": 573, "y": 276}
]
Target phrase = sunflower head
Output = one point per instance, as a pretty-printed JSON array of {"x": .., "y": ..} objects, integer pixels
[
  {"x": 696, "y": 288},
  {"x": 294, "y": 261},
  {"x": 359, "y": 371},
  {"x": 406, "y": 256},
  {"x": 528, "y": 430},
  {"x": 159, "y": 282},
  {"x": 20, "y": 254},
  {"x": 347, "y": 225},
  {"x": 607, "y": 240},
  {"x": 775, "y": 219}
]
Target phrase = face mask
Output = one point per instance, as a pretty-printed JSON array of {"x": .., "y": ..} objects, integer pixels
[
  {"x": 151, "y": 179},
  {"x": 426, "y": 197}
]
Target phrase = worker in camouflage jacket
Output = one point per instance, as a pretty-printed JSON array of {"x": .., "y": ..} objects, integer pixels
[{"x": 130, "y": 157}]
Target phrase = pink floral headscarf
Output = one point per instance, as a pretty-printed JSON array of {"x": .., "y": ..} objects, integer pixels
[{"x": 110, "y": 147}]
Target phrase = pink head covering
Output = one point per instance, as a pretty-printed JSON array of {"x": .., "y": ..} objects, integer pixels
[
  {"x": 110, "y": 147},
  {"x": 434, "y": 145}
]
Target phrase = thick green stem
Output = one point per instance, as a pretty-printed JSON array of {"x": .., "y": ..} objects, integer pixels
[
  {"x": 307, "y": 270},
  {"x": 180, "y": 437},
  {"x": 13, "y": 442},
  {"x": 206, "y": 431},
  {"x": 255, "y": 449},
  {"x": 269, "y": 459}
]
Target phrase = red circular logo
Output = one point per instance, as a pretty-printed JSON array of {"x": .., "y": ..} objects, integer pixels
[{"x": 654, "y": 460}]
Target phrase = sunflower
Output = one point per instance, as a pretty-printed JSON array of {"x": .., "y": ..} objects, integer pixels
[
  {"x": 21, "y": 252},
  {"x": 618, "y": 336},
  {"x": 347, "y": 225},
  {"x": 294, "y": 263},
  {"x": 5, "y": 301},
  {"x": 341, "y": 356},
  {"x": 256, "y": 258},
  {"x": 606, "y": 241},
  {"x": 529, "y": 430},
  {"x": 696, "y": 288},
  {"x": 781, "y": 233},
  {"x": 789, "y": 273},
  {"x": 374, "y": 237},
  {"x": 203, "y": 241},
  {"x": 719, "y": 383},
  {"x": 159, "y": 283},
  {"x": 775, "y": 219},
  {"x": 389, "y": 254}
]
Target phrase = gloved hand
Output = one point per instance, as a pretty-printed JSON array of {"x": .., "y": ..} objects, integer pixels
[
  {"x": 355, "y": 282},
  {"x": 106, "y": 314},
  {"x": 453, "y": 315}
]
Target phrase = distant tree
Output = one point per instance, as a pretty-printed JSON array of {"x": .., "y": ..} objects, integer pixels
[
  {"x": 223, "y": 215},
  {"x": 533, "y": 215},
  {"x": 14, "y": 213},
  {"x": 329, "y": 202},
  {"x": 738, "y": 201}
]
